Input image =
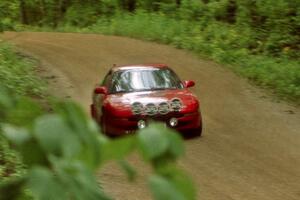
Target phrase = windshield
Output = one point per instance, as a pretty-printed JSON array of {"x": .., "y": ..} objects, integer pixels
[{"x": 144, "y": 80}]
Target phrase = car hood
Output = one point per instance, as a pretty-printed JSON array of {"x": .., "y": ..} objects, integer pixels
[{"x": 120, "y": 104}]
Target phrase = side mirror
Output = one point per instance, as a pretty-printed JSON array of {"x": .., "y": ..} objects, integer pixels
[
  {"x": 188, "y": 84},
  {"x": 100, "y": 90}
]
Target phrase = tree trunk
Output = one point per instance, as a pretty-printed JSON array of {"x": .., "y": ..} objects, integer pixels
[
  {"x": 131, "y": 5},
  {"x": 23, "y": 12}
]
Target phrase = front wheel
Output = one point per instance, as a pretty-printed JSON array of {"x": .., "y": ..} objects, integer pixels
[
  {"x": 103, "y": 128},
  {"x": 93, "y": 111},
  {"x": 193, "y": 133},
  {"x": 196, "y": 132}
]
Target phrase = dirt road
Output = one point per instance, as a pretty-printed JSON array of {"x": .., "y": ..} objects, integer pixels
[{"x": 251, "y": 144}]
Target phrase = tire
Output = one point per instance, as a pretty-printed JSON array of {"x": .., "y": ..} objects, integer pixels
[
  {"x": 103, "y": 128},
  {"x": 92, "y": 111},
  {"x": 197, "y": 132}
]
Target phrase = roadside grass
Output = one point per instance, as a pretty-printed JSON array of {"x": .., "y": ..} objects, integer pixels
[
  {"x": 227, "y": 44},
  {"x": 17, "y": 72},
  {"x": 17, "y": 75}
]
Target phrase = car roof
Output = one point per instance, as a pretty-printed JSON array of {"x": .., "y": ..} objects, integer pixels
[{"x": 139, "y": 66}]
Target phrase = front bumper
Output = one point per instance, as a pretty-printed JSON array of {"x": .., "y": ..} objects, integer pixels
[{"x": 122, "y": 126}]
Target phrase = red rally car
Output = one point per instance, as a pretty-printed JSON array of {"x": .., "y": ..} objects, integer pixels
[{"x": 132, "y": 96}]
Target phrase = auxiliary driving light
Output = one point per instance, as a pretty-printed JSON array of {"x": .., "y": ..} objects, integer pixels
[
  {"x": 176, "y": 104},
  {"x": 141, "y": 124},
  {"x": 173, "y": 122}
]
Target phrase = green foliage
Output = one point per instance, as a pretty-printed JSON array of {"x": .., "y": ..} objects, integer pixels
[
  {"x": 17, "y": 72},
  {"x": 81, "y": 16},
  {"x": 9, "y": 14},
  {"x": 17, "y": 77},
  {"x": 10, "y": 163},
  {"x": 63, "y": 151},
  {"x": 167, "y": 146},
  {"x": 273, "y": 25},
  {"x": 234, "y": 32}
]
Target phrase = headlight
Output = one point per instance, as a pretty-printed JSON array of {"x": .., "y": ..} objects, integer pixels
[
  {"x": 176, "y": 104},
  {"x": 163, "y": 108},
  {"x": 173, "y": 122},
  {"x": 141, "y": 124},
  {"x": 137, "y": 108},
  {"x": 151, "y": 109}
]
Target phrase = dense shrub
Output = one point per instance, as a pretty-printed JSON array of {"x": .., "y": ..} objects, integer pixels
[
  {"x": 264, "y": 34},
  {"x": 10, "y": 162},
  {"x": 274, "y": 25},
  {"x": 9, "y": 14}
]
